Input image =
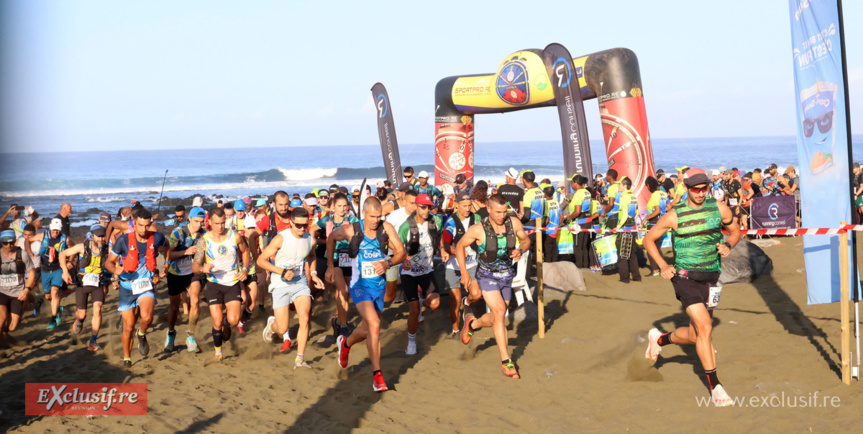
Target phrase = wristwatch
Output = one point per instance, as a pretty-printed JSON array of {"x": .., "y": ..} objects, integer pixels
[
  {"x": 284, "y": 270},
  {"x": 728, "y": 244},
  {"x": 389, "y": 263},
  {"x": 246, "y": 269}
]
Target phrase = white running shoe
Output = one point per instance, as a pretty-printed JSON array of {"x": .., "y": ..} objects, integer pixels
[
  {"x": 412, "y": 348},
  {"x": 720, "y": 397},
  {"x": 653, "y": 347},
  {"x": 268, "y": 333}
]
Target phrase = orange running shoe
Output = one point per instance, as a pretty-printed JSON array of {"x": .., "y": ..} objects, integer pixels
[{"x": 509, "y": 369}]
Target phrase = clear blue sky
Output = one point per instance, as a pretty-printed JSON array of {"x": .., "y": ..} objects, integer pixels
[{"x": 100, "y": 75}]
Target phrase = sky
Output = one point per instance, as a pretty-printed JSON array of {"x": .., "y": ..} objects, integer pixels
[{"x": 107, "y": 75}]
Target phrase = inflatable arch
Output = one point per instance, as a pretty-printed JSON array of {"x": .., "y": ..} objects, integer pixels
[{"x": 522, "y": 82}]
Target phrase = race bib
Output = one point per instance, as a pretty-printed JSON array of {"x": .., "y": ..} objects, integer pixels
[
  {"x": 9, "y": 280},
  {"x": 368, "y": 270},
  {"x": 91, "y": 279},
  {"x": 732, "y": 202},
  {"x": 344, "y": 260},
  {"x": 140, "y": 286},
  {"x": 713, "y": 296}
]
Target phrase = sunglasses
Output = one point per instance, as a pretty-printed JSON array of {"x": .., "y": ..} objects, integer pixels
[
  {"x": 8, "y": 242},
  {"x": 357, "y": 196},
  {"x": 698, "y": 189},
  {"x": 300, "y": 225},
  {"x": 824, "y": 122}
]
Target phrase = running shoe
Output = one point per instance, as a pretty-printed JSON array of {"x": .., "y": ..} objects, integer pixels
[
  {"x": 127, "y": 363},
  {"x": 53, "y": 323},
  {"x": 334, "y": 322},
  {"x": 240, "y": 328},
  {"x": 169, "y": 341},
  {"x": 94, "y": 346},
  {"x": 653, "y": 347},
  {"x": 412, "y": 347},
  {"x": 509, "y": 370},
  {"x": 226, "y": 332},
  {"x": 286, "y": 345},
  {"x": 77, "y": 326},
  {"x": 466, "y": 332},
  {"x": 454, "y": 334},
  {"x": 38, "y": 308},
  {"x": 300, "y": 363},
  {"x": 345, "y": 331},
  {"x": 191, "y": 345},
  {"x": 378, "y": 383},
  {"x": 654, "y": 274},
  {"x": 219, "y": 356},
  {"x": 143, "y": 345},
  {"x": 268, "y": 333},
  {"x": 720, "y": 397},
  {"x": 343, "y": 351},
  {"x": 245, "y": 315}
]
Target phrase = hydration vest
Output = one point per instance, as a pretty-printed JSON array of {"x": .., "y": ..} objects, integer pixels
[
  {"x": 86, "y": 258},
  {"x": 20, "y": 267},
  {"x": 490, "y": 254},
  {"x": 413, "y": 244},
  {"x": 130, "y": 262},
  {"x": 460, "y": 229},
  {"x": 357, "y": 239}
]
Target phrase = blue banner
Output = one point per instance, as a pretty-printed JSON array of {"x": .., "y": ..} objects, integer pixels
[{"x": 822, "y": 140}]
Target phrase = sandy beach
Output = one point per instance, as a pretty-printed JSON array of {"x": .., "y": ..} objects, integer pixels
[{"x": 588, "y": 373}]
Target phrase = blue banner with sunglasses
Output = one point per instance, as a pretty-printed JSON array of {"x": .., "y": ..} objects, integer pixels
[{"x": 822, "y": 139}]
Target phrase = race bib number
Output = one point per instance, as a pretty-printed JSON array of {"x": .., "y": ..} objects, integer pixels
[
  {"x": 713, "y": 296},
  {"x": 732, "y": 202},
  {"x": 9, "y": 280},
  {"x": 140, "y": 286},
  {"x": 368, "y": 270},
  {"x": 344, "y": 260},
  {"x": 91, "y": 279}
]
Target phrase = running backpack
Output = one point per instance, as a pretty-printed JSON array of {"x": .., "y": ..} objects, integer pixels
[
  {"x": 490, "y": 253},
  {"x": 87, "y": 256},
  {"x": 460, "y": 229},
  {"x": 413, "y": 244},
  {"x": 380, "y": 235}
]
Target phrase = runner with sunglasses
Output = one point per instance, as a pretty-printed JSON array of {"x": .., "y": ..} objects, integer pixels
[{"x": 696, "y": 225}]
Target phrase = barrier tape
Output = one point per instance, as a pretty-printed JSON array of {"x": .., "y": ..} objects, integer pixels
[{"x": 798, "y": 231}]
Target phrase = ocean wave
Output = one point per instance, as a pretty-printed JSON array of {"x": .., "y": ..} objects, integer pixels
[{"x": 307, "y": 174}]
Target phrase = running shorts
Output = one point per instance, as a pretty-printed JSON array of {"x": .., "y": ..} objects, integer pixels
[
  {"x": 284, "y": 296},
  {"x": 453, "y": 277},
  {"x": 13, "y": 305},
  {"x": 411, "y": 284},
  {"x": 690, "y": 291},
  {"x": 221, "y": 294},
  {"x": 84, "y": 292},
  {"x": 52, "y": 278},
  {"x": 178, "y": 284},
  {"x": 251, "y": 278},
  {"x": 359, "y": 293},
  {"x": 496, "y": 281}
]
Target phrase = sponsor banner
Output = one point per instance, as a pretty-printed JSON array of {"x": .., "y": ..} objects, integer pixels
[
  {"x": 774, "y": 212},
  {"x": 627, "y": 143},
  {"x": 85, "y": 399},
  {"x": 573, "y": 124},
  {"x": 521, "y": 81},
  {"x": 822, "y": 139},
  {"x": 387, "y": 135},
  {"x": 453, "y": 150}
]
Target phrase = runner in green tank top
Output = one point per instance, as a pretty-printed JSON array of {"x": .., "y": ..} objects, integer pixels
[{"x": 696, "y": 224}]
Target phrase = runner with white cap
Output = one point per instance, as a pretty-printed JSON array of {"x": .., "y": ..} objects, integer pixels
[
  {"x": 513, "y": 194},
  {"x": 53, "y": 243},
  {"x": 696, "y": 225},
  {"x": 425, "y": 188}
]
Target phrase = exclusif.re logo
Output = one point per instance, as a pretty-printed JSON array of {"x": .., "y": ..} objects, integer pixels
[{"x": 86, "y": 399}]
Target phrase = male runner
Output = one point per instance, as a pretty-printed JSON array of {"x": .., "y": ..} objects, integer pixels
[
  {"x": 425, "y": 188},
  {"x": 14, "y": 288},
  {"x": 368, "y": 248},
  {"x": 341, "y": 274},
  {"x": 696, "y": 225},
  {"x": 454, "y": 229},
  {"x": 92, "y": 255},
  {"x": 245, "y": 225},
  {"x": 17, "y": 223},
  {"x": 182, "y": 246},
  {"x": 53, "y": 243},
  {"x": 496, "y": 240},
  {"x": 292, "y": 251},
  {"x": 217, "y": 255},
  {"x": 421, "y": 236},
  {"x": 134, "y": 279},
  {"x": 397, "y": 218},
  {"x": 399, "y": 202},
  {"x": 513, "y": 194}
]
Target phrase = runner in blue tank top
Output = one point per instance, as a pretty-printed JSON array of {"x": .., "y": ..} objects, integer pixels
[{"x": 369, "y": 240}]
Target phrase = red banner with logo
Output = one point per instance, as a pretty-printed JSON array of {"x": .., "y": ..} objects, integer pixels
[{"x": 85, "y": 399}]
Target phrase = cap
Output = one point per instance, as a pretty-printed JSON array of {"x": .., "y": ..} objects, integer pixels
[
  {"x": 323, "y": 193},
  {"x": 682, "y": 168},
  {"x": 198, "y": 212},
  {"x": 7, "y": 236},
  {"x": 311, "y": 201},
  {"x": 406, "y": 187},
  {"x": 695, "y": 176},
  {"x": 424, "y": 199},
  {"x": 334, "y": 188},
  {"x": 198, "y": 201},
  {"x": 512, "y": 173},
  {"x": 344, "y": 190},
  {"x": 460, "y": 178},
  {"x": 356, "y": 189},
  {"x": 736, "y": 173},
  {"x": 296, "y": 202},
  {"x": 729, "y": 172},
  {"x": 98, "y": 231},
  {"x": 239, "y": 205},
  {"x": 56, "y": 225},
  {"x": 261, "y": 202},
  {"x": 462, "y": 196},
  {"x": 714, "y": 172},
  {"x": 105, "y": 217},
  {"x": 660, "y": 172},
  {"x": 380, "y": 184},
  {"x": 423, "y": 174}
]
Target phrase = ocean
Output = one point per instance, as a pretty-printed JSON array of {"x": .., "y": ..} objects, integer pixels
[{"x": 105, "y": 181}]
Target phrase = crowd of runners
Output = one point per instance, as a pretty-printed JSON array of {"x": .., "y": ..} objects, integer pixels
[{"x": 411, "y": 242}]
